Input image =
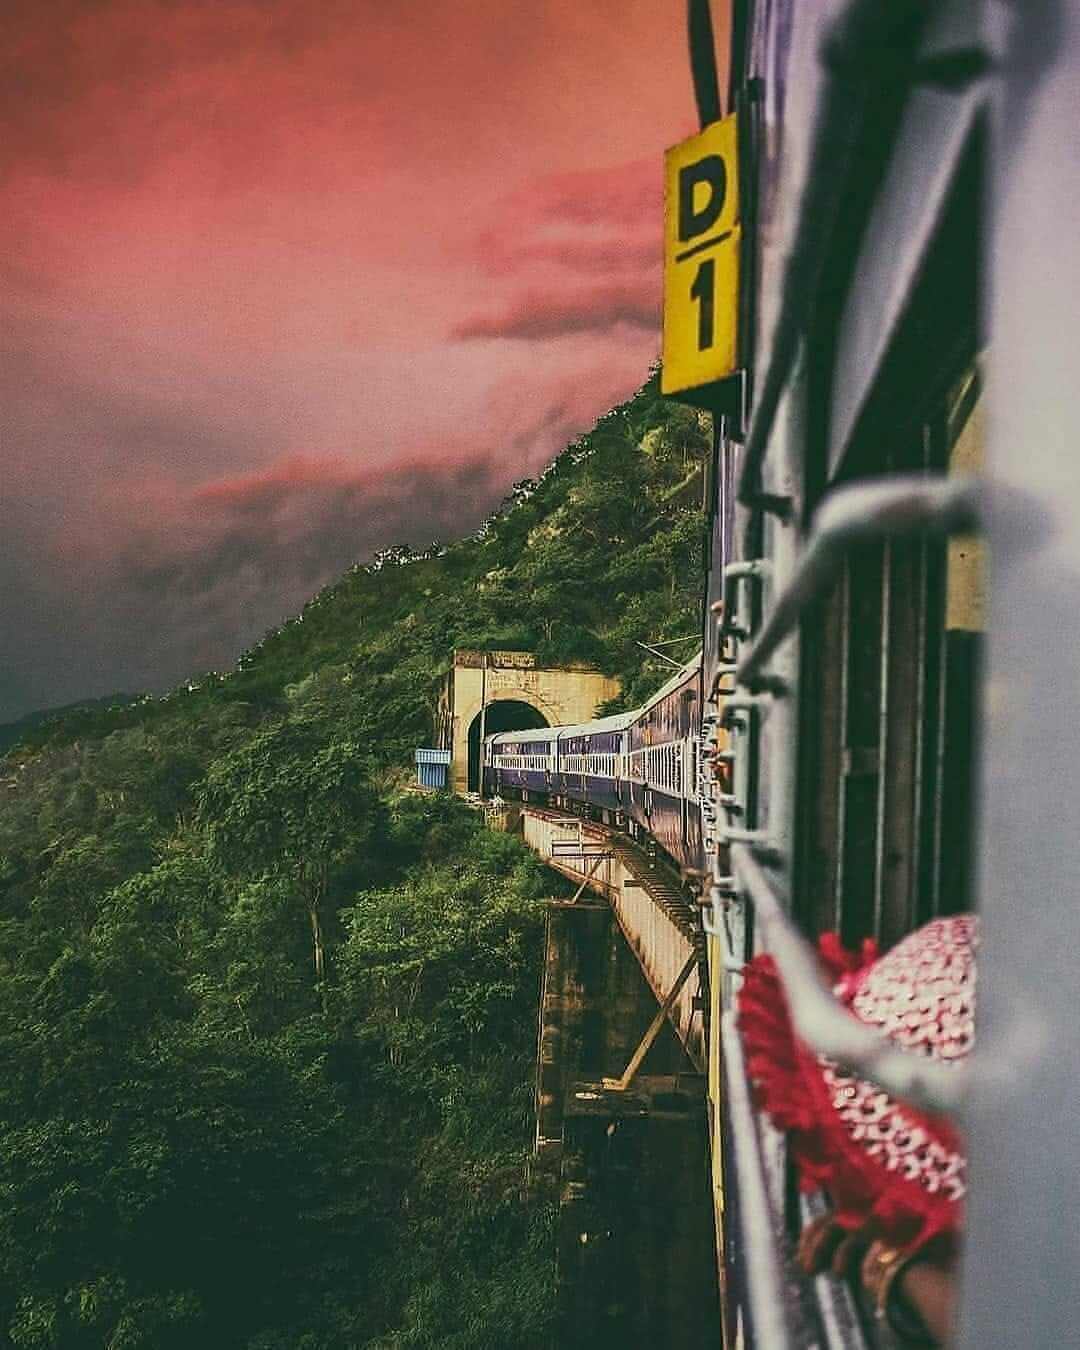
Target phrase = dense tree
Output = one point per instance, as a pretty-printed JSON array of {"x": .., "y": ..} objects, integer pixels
[
  {"x": 439, "y": 987},
  {"x": 291, "y": 805}
]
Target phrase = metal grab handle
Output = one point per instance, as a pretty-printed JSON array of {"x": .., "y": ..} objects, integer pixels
[
  {"x": 743, "y": 703},
  {"x": 755, "y": 569},
  {"x": 718, "y": 891},
  {"x": 889, "y": 508},
  {"x": 824, "y": 1025}
]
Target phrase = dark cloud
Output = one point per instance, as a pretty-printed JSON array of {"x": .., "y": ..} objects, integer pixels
[
  {"x": 297, "y": 524},
  {"x": 137, "y": 584},
  {"x": 601, "y": 221},
  {"x": 168, "y": 586},
  {"x": 538, "y": 315},
  {"x": 549, "y": 234}
]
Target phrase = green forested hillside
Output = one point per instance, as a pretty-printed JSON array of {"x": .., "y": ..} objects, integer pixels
[{"x": 266, "y": 1017}]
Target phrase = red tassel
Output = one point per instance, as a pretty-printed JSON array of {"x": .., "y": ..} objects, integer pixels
[{"x": 789, "y": 1085}]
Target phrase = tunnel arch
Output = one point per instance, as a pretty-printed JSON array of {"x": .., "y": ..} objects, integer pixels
[{"x": 501, "y": 714}]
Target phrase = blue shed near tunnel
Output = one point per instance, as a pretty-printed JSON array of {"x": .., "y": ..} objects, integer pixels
[{"x": 431, "y": 767}]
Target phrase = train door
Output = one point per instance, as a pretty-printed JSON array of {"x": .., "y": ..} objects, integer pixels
[
  {"x": 681, "y": 772},
  {"x": 689, "y": 789}
]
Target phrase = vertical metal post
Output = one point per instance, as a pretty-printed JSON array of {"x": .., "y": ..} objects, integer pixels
[
  {"x": 483, "y": 719},
  {"x": 703, "y": 61}
]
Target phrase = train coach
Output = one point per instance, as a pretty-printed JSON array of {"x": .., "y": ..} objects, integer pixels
[
  {"x": 520, "y": 763},
  {"x": 664, "y": 761},
  {"x": 640, "y": 771},
  {"x": 591, "y": 765}
]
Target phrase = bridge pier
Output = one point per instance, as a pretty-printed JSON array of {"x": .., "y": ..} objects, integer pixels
[{"x": 636, "y": 1254}]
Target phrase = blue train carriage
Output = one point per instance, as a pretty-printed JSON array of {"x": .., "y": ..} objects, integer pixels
[
  {"x": 591, "y": 765},
  {"x": 520, "y": 762},
  {"x": 665, "y": 768}
]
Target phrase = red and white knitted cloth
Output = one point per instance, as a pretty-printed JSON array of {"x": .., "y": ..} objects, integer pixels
[{"x": 880, "y": 1160}]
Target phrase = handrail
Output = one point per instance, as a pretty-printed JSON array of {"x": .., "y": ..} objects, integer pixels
[
  {"x": 824, "y": 1025},
  {"x": 885, "y": 508},
  {"x": 764, "y": 1270}
]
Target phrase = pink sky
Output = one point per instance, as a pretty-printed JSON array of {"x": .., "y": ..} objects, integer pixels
[{"x": 286, "y": 282}]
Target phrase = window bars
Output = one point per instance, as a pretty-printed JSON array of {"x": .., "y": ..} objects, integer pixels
[{"x": 893, "y": 507}]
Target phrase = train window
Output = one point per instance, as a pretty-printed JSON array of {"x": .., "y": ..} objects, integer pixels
[{"x": 887, "y": 834}]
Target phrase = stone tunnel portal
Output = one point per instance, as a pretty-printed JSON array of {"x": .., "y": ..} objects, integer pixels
[
  {"x": 502, "y": 714},
  {"x": 510, "y": 684}
]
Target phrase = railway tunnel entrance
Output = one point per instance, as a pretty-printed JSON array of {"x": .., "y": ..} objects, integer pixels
[
  {"x": 504, "y": 714},
  {"x": 505, "y": 683}
]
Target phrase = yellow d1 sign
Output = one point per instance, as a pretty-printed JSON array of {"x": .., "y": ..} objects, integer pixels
[{"x": 702, "y": 234}]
